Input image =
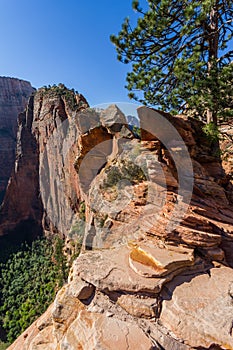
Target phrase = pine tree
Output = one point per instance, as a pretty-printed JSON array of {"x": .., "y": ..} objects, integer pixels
[{"x": 179, "y": 55}]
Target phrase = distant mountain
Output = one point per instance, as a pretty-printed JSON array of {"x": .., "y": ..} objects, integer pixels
[{"x": 132, "y": 120}]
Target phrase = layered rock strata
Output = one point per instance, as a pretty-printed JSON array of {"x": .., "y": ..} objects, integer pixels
[{"x": 155, "y": 271}]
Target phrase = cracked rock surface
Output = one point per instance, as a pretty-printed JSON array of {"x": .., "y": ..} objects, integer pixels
[{"x": 140, "y": 282}]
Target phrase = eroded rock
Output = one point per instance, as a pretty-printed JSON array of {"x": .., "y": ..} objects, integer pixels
[
  {"x": 94, "y": 331},
  {"x": 147, "y": 278},
  {"x": 199, "y": 310},
  {"x": 111, "y": 270},
  {"x": 150, "y": 261}
]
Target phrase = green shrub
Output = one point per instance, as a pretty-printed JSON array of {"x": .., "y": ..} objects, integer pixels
[
  {"x": 211, "y": 131},
  {"x": 113, "y": 177},
  {"x": 60, "y": 261},
  {"x": 76, "y": 234},
  {"x": 77, "y": 230},
  {"x": 126, "y": 170},
  {"x": 137, "y": 131},
  {"x": 62, "y": 91},
  {"x": 82, "y": 211}
]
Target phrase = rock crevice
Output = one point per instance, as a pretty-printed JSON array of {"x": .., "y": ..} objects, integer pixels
[{"x": 155, "y": 269}]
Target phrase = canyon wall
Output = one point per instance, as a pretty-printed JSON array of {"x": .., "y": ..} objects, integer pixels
[
  {"x": 14, "y": 94},
  {"x": 155, "y": 211},
  {"x": 29, "y": 196}
]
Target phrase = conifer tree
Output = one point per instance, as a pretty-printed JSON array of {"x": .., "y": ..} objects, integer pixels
[{"x": 180, "y": 56}]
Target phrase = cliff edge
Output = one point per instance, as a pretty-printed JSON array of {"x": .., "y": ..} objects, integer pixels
[{"x": 155, "y": 213}]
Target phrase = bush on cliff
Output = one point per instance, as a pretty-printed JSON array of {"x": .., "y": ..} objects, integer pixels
[{"x": 62, "y": 91}]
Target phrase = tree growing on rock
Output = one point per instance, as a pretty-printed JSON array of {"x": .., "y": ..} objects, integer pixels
[{"x": 180, "y": 56}]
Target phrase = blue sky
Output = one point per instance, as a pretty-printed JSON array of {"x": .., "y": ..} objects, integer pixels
[{"x": 52, "y": 41}]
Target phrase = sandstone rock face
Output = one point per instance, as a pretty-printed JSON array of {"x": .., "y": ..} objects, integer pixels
[
  {"x": 14, "y": 94},
  {"x": 209, "y": 298},
  {"x": 56, "y": 130},
  {"x": 226, "y": 143},
  {"x": 38, "y": 178},
  {"x": 155, "y": 270},
  {"x": 22, "y": 202}
]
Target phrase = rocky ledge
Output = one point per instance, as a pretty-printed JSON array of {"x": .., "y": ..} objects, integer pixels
[{"x": 155, "y": 210}]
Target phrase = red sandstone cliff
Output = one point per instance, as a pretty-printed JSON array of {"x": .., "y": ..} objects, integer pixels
[
  {"x": 14, "y": 94},
  {"x": 29, "y": 196},
  {"x": 156, "y": 267}
]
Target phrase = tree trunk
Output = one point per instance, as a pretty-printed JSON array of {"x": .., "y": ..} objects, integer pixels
[
  {"x": 213, "y": 39},
  {"x": 209, "y": 117}
]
